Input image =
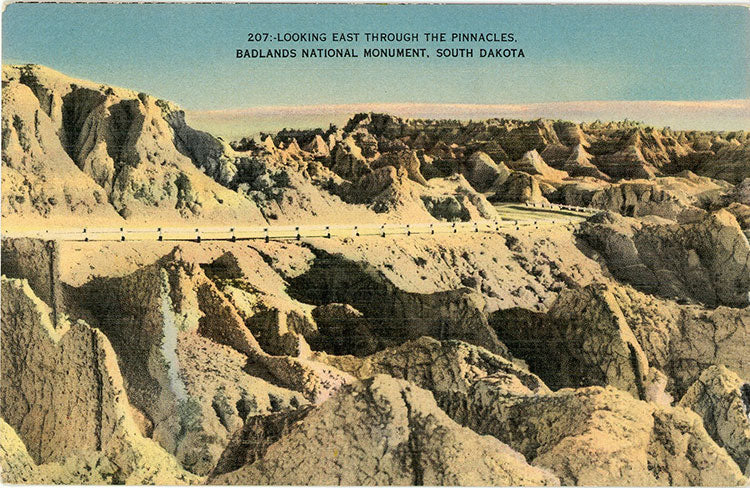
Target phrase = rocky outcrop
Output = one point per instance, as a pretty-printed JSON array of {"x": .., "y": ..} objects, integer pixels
[
  {"x": 742, "y": 214},
  {"x": 625, "y": 441},
  {"x": 684, "y": 340},
  {"x": 118, "y": 139},
  {"x": 348, "y": 161},
  {"x": 742, "y": 192},
  {"x": 342, "y": 329},
  {"x": 386, "y": 432},
  {"x": 15, "y": 462},
  {"x": 69, "y": 377},
  {"x": 519, "y": 187},
  {"x": 707, "y": 261},
  {"x": 683, "y": 198},
  {"x": 483, "y": 173},
  {"x": 406, "y": 159},
  {"x": 318, "y": 147},
  {"x": 533, "y": 164},
  {"x": 37, "y": 261},
  {"x": 721, "y": 399},
  {"x": 252, "y": 441},
  {"x": 513, "y": 268},
  {"x": 40, "y": 180},
  {"x": 579, "y": 163},
  {"x": 728, "y": 162},
  {"x": 454, "y": 199},
  {"x": 392, "y": 315},
  {"x": 626, "y": 163},
  {"x": 583, "y": 340},
  {"x": 445, "y": 368},
  {"x": 183, "y": 351}
]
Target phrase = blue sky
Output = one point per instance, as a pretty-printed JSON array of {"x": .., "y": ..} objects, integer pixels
[{"x": 186, "y": 53}]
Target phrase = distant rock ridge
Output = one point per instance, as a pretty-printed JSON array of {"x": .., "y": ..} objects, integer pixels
[{"x": 80, "y": 151}]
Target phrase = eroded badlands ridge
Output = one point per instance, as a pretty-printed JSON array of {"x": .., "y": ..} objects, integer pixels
[{"x": 610, "y": 352}]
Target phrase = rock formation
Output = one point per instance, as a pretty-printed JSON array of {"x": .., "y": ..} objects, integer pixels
[
  {"x": 705, "y": 261},
  {"x": 519, "y": 187},
  {"x": 533, "y": 164},
  {"x": 390, "y": 432},
  {"x": 625, "y": 441},
  {"x": 483, "y": 173},
  {"x": 69, "y": 377},
  {"x": 121, "y": 145},
  {"x": 721, "y": 398},
  {"x": 610, "y": 349}
]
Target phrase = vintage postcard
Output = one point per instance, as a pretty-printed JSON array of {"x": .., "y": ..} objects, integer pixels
[{"x": 375, "y": 244}]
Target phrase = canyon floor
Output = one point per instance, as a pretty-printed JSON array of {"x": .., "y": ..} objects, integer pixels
[{"x": 587, "y": 323}]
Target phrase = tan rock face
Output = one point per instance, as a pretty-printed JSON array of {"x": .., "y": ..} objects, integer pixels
[
  {"x": 393, "y": 315},
  {"x": 483, "y": 173},
  {"x": 742, "y": 213},
  {"x": 70, "y": 378},
  {"x": 627, "y": 163},
  {"x": 721, "y": 399},
  {"x": 519, "y": 187},
  {"x": 192, "y": 385},
  {"x": 579, "y": 163},
  {"x": 15, "y": 462},
  {"x": 403, "y": 159},
  {"x": 706, "y": 261},
  {"x": 742, "y": 192},
  {"x": 597, "y": 436},
  {"x": 38, "y": 261},
  {"x": 583, "y": 340},
  {"x": 122, "y": 145},
  {"x": 682, "y": 341},
  {"x": 533, "y": 164},
  {"x": 443, "y": 367},
  {"x": 39, "y": 178},
  {"x": 386, "y": 432},
  {"x": 371, "y": 360},
  {"x": 728, "y": 163}
]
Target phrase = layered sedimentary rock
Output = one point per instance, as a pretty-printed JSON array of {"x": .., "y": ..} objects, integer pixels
[
  {"x": 39, "y": 177},
  {"x": 721, "y": 398},
  {"x": 601, "y": 436},
  {"x": 579, "y": 163},
  {"x": 69, "y": 377},
  {"x": 683, "y": 198},
  {"x": 390, "y": 432},
  {"x": 520, "y": 355},
  {"x": 394, "y": 316},
  {"x": 189, "y": 329},
  {"x": 483, "y": 173},
  {"x": 683, "y": 340},
  {"x": 533, "y": 164},
  {"x": 583, "y": 340},
  {"x": 445, "y": 368},
  {"x": 705, "y": 261},
  {"x": 519, "y": 187},
  {"x": 114, "y": 147}
]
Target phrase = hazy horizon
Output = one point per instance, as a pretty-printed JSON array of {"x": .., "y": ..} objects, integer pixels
[{"x": 713, "y": 115}]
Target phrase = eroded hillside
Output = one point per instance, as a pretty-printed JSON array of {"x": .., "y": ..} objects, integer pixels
[{"x": 611, "y": 350}]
